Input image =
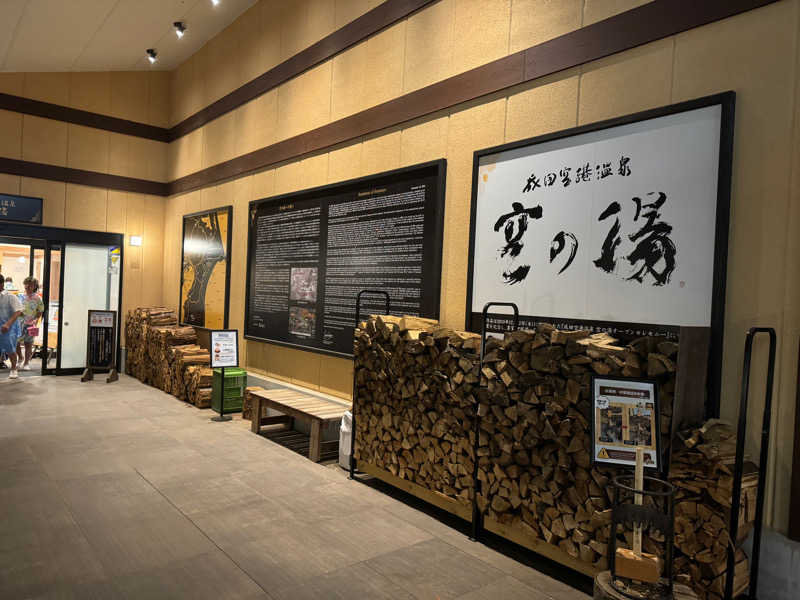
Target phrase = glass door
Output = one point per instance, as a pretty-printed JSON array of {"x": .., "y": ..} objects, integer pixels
[{"x": 90, "y": 280}]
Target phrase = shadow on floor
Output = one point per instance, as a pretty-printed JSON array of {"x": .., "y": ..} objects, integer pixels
[{"x": 498, "y": 544}]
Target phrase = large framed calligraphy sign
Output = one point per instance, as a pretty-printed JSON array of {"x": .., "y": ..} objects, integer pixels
[
  {"x": 618, "y": 226},
  {"x": 205, "y": 268}
]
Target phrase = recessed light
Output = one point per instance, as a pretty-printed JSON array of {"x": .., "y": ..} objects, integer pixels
[
  {"x": 180, "y": 29},
  {"x": 215, "y": 2},
  {"x": 151, "y": 55}
]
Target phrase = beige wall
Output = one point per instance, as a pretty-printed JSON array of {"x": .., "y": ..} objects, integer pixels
[
  {"x": 754, "y": 54},
  {"x": 137, "y": 96}
]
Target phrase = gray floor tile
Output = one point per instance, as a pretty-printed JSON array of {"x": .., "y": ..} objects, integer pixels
[
  {"x": 506, "y": 588},
  {"x": 434, "y": 569},
  {"x": 209, "y": 576},
  {"x": 209, "y": 495},
  {"x": 33, "y": 570},
  {"x": 357, "y": 581},
  {"x": 133, "y": 545},
  {"x": 369, "y": 533},
  {"x": 287, "y": 556}
]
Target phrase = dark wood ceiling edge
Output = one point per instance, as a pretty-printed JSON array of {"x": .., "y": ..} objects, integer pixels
[
  {"x": 356, "y": 31},
  {"x": 36, "y": 170},
  {"x": 648, "y": 23},
  {"x": 82, "y": 117}
]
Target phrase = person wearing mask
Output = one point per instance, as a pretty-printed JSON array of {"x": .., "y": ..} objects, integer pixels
[
  {"x": 10, "y": 311},
  {"x": 32, "y": 311}
]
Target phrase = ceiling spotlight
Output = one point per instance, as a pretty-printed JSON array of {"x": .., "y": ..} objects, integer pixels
[
  {"x": 151, "y": 55},
  {"x": 215, "y": 2},
  {"x": 180, "y": 29}
]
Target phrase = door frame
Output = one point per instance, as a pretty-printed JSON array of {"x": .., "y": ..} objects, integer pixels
[{"x": 40, "y": 235}]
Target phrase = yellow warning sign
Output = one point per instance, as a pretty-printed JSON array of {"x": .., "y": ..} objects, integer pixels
[{"x": 602, "y": 454}]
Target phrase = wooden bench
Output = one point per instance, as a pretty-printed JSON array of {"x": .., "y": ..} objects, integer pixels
[{"x": 296, "y": 405}]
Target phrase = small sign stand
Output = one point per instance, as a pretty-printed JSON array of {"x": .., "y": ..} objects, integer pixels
[
  {"x": 224, "y": 350},
  {"x": 101, "y": 345}
]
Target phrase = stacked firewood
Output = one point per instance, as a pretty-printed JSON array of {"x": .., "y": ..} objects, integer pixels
[
  {"x": 419, "y": 387},
  {"x": 137, "y": 325},
  {"x": 534, "y": 444},
  {"x": 159, "y": 341},
  {"x": 179, "y": 359},
  {"x": 198, "y": 388},
  {"x": 702, "y": 470},
  {"x": 416, "y": 386},
  {"x": 163, "y": 354}
]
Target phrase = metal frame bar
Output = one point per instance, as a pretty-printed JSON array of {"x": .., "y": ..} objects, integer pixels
[
  {"x": 385, "y": 294},
  {"x": 762, "y": 466},
  {"x": 477, "y": 515}
]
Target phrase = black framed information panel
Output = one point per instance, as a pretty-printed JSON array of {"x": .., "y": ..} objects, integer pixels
[{"x": 311, "y": 252}]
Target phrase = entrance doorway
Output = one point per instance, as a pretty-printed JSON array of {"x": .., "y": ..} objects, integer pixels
[{"x": 77, "y": 271}]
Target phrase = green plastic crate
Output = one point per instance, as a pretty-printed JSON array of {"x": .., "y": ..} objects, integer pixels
[{"x": 235, "y": 383}]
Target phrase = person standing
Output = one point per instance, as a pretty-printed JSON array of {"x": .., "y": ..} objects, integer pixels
[
  {"x": 32, "y": 311},
  {"x": 10, "y": 311}
]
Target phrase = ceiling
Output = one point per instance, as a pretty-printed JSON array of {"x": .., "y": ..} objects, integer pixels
[{"x": 107, "y": 35}]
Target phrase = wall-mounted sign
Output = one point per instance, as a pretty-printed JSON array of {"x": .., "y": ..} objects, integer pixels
[
  {"x": 619, "y": 226},
  {"x": 23, "y": 209},
  {"x": 224, "y": 348},
  {"x": 205, "y": 268},
  {"x": 311, "y": 252},
  {"x": 625, "y": 417}
]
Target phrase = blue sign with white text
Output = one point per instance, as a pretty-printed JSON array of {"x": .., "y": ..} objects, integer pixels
[{"x": 23, "y": 209}]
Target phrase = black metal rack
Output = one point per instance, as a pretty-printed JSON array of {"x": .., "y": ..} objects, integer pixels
[
  {"x": 355, "y": 386},
  {"x": 477, "y": 515},
  {"x": 739, "y": 464}
]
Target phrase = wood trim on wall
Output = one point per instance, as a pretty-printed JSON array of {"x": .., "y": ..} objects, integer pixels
[
  {"x": 36, "y": 170},
  {"x": 370, "y": 23},
  {"x": 647, "y": 23},
  {"x": 82, "y": 117}
]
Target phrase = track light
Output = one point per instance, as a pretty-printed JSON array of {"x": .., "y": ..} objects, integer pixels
[
  {"x": 180, "y": 29},
  {"x": 151, "y": 55}
]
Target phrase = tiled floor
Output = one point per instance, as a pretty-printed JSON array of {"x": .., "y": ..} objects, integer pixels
[{"x": 120, "y": 491}]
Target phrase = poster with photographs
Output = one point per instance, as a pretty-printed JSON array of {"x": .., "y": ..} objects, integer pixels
[
  {"x": 205, "y": 268},
  {"x": 311, "y": 252},
  {"x": 625, "y": 418}
]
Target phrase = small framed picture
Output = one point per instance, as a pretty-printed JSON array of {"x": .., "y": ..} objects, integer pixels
[{"x": 625, "y": 417}]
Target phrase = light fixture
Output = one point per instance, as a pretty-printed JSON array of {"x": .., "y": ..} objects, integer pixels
[
  {"x": 180, "y": 28},
  {"x": 135, "y": 240},
  {"x": 151, "y": 55},
  {"x": 215, "y": 2}
]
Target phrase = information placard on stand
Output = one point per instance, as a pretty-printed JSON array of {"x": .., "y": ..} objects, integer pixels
[
  {"x": 101, "y": 338},
  {"x": 625, "y": 417},
  {"x": 224, "y": 353}
]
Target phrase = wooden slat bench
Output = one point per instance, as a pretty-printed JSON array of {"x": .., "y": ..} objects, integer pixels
[{"x": 296, "y": 405}]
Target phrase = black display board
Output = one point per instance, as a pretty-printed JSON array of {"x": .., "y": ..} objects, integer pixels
[{"x": 311, "y": 252}]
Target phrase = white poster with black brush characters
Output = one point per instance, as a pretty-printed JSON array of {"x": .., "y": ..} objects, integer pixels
[{"x": 613, "y": 225}]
